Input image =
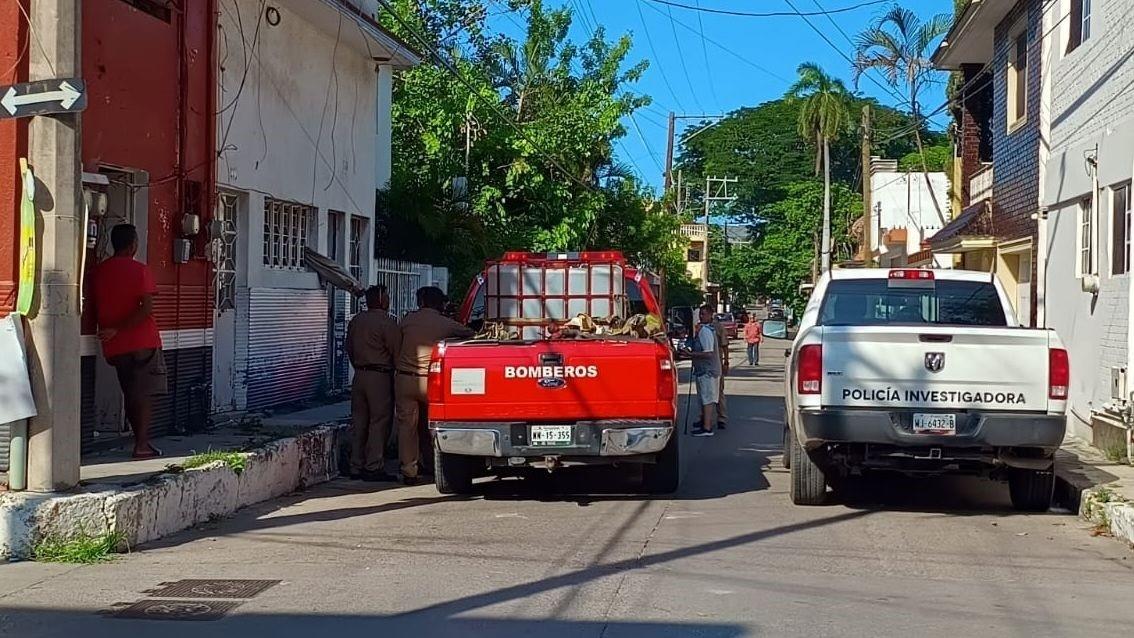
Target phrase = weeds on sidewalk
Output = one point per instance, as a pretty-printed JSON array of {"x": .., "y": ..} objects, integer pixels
[
  {"x": 82, "y": 548},
  {"x": 234, "y": 460}
]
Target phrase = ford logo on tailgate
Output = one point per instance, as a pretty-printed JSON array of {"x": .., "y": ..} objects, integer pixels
[{"x": 552, "y": 382}]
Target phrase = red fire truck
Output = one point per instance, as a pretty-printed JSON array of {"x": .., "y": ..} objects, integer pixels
[{"x": 539, "y": 397}]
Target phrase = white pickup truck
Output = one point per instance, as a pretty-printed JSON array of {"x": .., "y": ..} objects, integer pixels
[{"x": 921, "y": 372}]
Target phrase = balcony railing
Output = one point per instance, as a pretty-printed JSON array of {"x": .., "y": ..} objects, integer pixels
[
  {"x": 694, "y": 231},
  {"x": 980, "y": 184}
]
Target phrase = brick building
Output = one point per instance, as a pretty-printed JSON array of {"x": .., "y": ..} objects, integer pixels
[{"x": 997, "y": 48}]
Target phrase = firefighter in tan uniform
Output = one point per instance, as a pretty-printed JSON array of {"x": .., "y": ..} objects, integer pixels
[
  {"x": 373, "y": 342},
  {"x": 421, "y": 330}
]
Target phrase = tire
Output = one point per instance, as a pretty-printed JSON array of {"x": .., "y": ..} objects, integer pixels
[
  {"x": 1031, "y": 490},
  {"x": 808, "y": 482},
  {"x": 664, "y": 475},
  {"x": 453, "y": 472},
  {"x": 785, "y": 458}
]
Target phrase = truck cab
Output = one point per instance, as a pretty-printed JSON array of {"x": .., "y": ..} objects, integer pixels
[{"x": 545, "y": 385}]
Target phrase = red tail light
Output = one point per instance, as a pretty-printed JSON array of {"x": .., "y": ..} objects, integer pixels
[
  {"x": 911, "y": 273},
  {"x": 436, "y": 386},
  {"x": 810, "y": 372},
  {"x": 1058, "y": 374},
  {"x": 667, "y": 378}
]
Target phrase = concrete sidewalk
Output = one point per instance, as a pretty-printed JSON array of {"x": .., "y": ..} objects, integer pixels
[
  {"x": 1101, "y": 490},
  {"x": 148, "y": 499}
]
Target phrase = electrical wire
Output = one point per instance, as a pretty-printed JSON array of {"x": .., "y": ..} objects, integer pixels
[
  {"x": 244, "y": 78},
  {"x": 38, "y": 42},
  {"x": 654, "y": 52},
  {"x": 323, "y": 115},
  {"x": 335, "y": 119},
  {"x": 769, "y": 14},
  {"x": 681, "y": 57},
  {"x": 708, "y": 65}
]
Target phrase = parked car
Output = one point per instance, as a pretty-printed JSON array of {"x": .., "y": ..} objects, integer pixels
[
  {"x": 728, "y": 324},
  {"x": 536, "y": 397},
  {"x": 922, "y": 372}
]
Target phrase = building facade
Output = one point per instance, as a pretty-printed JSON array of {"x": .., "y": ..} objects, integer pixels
[
  {"x": 904, "y": 214},
  {"x": 1087, "y": 194}
]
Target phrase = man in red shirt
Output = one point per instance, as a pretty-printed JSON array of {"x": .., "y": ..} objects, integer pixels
[
  {"x": 124, "y": 302},
  {"x": 753, "y": 335}
]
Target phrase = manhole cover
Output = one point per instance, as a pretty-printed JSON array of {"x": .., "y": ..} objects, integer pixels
[
  {"x": 149, "y": 609},
  {"x": 213, "y": 588}
]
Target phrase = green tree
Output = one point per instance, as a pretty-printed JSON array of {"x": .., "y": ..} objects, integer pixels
[
  {"x": 899, "y": 45},
  {"x": 824, "y": 117}
]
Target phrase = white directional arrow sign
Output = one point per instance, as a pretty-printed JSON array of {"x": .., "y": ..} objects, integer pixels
[{"x": 43, "y": 97}]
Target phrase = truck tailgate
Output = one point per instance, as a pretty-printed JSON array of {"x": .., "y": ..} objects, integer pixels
[
  {"x": 553, "y": 381},
  {"x": 947, "y": 368}
]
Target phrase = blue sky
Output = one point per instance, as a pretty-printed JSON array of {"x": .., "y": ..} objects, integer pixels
[{"x": 742, "y": 61}]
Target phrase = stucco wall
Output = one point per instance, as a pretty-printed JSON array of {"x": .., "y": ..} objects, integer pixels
[{"x": 902, "y": 200}]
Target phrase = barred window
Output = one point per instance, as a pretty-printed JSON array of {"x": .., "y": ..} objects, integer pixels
[
  {"x": 285, "y": 233},
  {"x": 354, "y": 254}
]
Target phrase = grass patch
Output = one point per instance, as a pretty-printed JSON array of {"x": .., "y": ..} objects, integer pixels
[
  {"x": 1116, "y": 453},
  {"x": 234, "y": 460},
  {"x": 82, "y": 549}
]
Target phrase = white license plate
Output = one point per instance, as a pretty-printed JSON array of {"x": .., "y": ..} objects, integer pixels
[
  {"x": 551, "y": 435},
  {"x": 940, "y": 424}
]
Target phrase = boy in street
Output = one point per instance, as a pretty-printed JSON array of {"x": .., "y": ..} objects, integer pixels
[
  {"x": 373, "y": 343},
  {"x": 706, "y": 371},
  {"x": 753, "y": 335},
  {"x": 123, "y": 295}
]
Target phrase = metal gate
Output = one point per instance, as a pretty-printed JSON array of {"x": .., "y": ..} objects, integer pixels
[{"x": 402, "y": 279}]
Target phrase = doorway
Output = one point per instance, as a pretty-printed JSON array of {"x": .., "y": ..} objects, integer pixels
[{"x": 224, "y": 233}]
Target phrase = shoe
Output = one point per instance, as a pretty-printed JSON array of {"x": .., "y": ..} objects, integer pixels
[
  {"x": 377, "y": 477},
  {"x": 702, "y": 433},
  {"x": 721, "y": 425},
  {"x": 411, "y": 481}
]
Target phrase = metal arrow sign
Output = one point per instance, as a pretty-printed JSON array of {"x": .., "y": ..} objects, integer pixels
[{"x": 66, "y": 95}]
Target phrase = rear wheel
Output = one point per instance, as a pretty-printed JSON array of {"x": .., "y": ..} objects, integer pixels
[
  {"x": 454, "y": 473},
  {"x": 664, "y": 475},
  {"x": 808, "y": 482},
  {"x": 1031, "y": 490}
]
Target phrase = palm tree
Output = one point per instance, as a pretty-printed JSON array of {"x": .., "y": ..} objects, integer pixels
[
  {"x": 824, "y": 115},
  {"x": 899, "y": 45}
]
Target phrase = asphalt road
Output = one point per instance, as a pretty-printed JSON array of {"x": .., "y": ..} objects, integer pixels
[{"x": 582, "y": 556}]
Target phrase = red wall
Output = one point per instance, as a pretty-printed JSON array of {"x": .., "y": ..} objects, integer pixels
[
  {"x": 142, "y": 115},
  {"x": 13, "y": 145}
]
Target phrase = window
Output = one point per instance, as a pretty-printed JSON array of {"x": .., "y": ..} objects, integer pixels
[
  {"x": 1018, "y": 79},
  {"x": 1080, "y": 19},
  {"x": 867, "y": 302},
  {"x": 1120, "y": 214},
  {"x": 1086, "y": 262},
  {"x": 285, "y": 233},
  {"x": 694, "y": 254},
  {"x": 355, "y": 255},
  {"x": 335, "y": 236}
]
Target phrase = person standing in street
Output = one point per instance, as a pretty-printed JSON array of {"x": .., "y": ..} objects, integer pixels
[
  {"x": 373, "y": 343},
  {"x": 706, "y": 371},
  {"x": 123, "y": 295},
  {"x": 421, "y": 330},
  {"x": 722, "y": 342},
  {"x": 753, "y": 335}
]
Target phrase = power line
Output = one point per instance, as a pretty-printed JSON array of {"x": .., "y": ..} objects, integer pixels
[
  {"x": 646, "y": 144},
  {"x": 654, "y": 52},
  {"x": 681, "y": 57},
  {"x": 769, "y": 14},
  {"x": 705, "y": 54}
]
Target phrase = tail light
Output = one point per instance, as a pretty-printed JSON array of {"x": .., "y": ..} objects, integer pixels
[
  {"x": 667, "y": 378},
  {"x": 810, "y": 371},
  {"x": 1058, "y": 374},
  {"x": 435, "y": 389}
]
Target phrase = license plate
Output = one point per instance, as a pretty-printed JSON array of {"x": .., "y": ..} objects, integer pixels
[
  {"x": 939, "y": 424},
  {"x": 550, "y": 435}
]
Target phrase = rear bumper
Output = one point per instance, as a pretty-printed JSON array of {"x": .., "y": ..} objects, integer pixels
[
  {"x": 974, "y": 429},
  {"x": 589, "y": 438}
]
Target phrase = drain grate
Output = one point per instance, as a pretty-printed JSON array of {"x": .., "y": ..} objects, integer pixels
[
  {"x": 213, "y": 588},
  {"x": 150, "y": 609}
]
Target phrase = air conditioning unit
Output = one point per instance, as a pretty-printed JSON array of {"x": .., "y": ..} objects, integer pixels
[{"x": 1118, "y": 384}]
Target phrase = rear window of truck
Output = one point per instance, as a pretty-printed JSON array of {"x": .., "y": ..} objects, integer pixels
[{"x": 874, "y": 302}]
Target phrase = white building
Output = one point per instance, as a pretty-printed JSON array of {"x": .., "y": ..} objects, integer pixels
[
  {"x": 903, "y": 213},
  {"x": 1089, "y": 74},
  {"x": 303, "y": 138}
]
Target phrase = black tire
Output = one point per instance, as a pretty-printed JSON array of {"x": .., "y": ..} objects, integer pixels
[
  {"x": 663, "y": 476},
  {"x": 1031, "y": 490},
  {"x": 453, "y": 472},
  {"x": 785, "y": 458},
  {"x": 808, "y": 482}
]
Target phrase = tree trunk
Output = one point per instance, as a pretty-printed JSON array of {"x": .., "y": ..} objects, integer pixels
[{"x": 825, "y": 247}]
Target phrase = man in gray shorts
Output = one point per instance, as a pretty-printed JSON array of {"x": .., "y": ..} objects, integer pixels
[{"x": 706, "y": 371}]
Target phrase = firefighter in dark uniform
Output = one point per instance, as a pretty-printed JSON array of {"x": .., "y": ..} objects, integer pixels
[{"x": 373, "y": 343}]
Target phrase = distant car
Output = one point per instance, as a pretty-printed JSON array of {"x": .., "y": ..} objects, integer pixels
[
  {"x": 776, "y": 314},
  {"x": 728, "y": 323}
]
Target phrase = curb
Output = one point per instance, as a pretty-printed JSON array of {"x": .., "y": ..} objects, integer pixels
[
  {"x": 170, "y": 503},
  {"x": 1091, "y": 493}
]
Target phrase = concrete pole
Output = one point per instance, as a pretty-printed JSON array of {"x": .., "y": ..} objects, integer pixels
[
  {"x": 53, "y": 338},
  {"x": 669, "y": 153},
  {"x": 867, "y": 220}
]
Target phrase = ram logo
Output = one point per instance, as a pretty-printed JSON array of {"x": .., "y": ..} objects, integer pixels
[{"x": 935, "y": 361}]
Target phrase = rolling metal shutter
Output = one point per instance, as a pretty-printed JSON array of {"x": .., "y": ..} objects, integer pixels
[{"x": 287, "y": 346}]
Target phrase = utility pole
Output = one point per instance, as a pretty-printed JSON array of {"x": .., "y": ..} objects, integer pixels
[
  {"x": 53, "y": 338},
  {"x": 867, "y": 219},
  {"x": 669, "y": 151},
  {"x": 716, "y": 191}
]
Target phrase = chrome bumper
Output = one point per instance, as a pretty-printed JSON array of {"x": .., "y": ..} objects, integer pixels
[
  {"x": 642, "y": 440},
  {"x": 471, "y": 442}
]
